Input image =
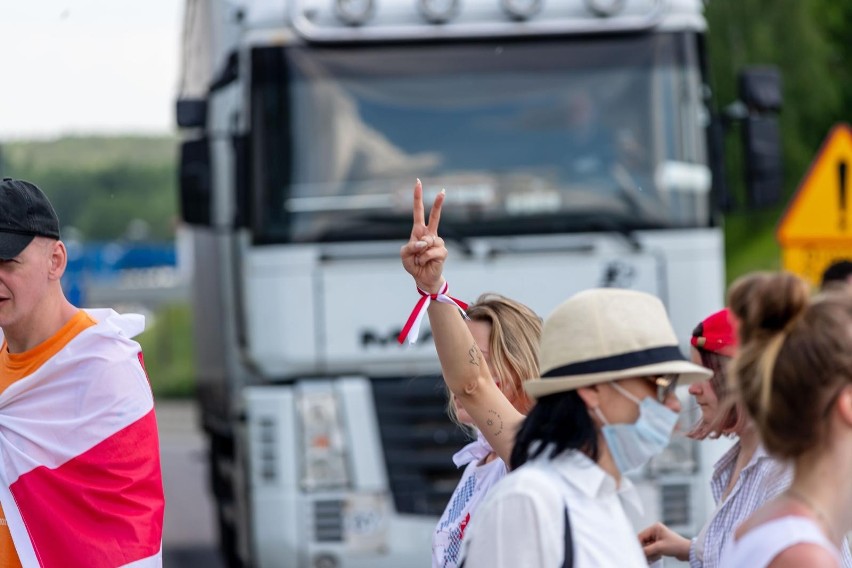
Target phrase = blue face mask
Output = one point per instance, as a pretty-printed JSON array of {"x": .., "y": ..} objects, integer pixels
[{"x": 632, "y": 445}]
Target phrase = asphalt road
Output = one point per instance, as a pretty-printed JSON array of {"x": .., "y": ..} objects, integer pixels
[{"x": 188, "y": 532}]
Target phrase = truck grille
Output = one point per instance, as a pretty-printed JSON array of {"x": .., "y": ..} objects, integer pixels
[
  {"x": 419, "y": 441},
  {"x": 328, "y": 521},
  {"x": 675, "y": 504}
]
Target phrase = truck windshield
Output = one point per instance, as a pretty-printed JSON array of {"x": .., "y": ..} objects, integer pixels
[{"x": 527, "y": 137}]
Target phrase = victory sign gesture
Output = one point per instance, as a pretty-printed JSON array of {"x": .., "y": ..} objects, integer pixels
[{"x": 424, "y": 254}]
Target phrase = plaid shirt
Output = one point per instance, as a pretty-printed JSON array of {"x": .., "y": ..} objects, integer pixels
[{"x": 760, "y": 481}]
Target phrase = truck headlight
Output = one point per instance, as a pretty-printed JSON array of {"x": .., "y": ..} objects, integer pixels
[{"x": 323, "y": 445}]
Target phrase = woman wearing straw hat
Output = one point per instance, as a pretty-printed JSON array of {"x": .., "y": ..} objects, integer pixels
[
  {"x": 605, "y": 406},
  {"x": 504, "y": 335},
  {"x": 609, "y": 362}
]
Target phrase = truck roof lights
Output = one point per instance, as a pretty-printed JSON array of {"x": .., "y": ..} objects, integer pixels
[
  {"x": 521, "y": 9},
  {"x": 605, "y": 8},
  {"x": 354, "y": 12},
  {"x": 438, "y": 11}
]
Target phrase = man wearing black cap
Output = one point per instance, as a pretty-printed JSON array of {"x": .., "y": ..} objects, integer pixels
[
  {"x": 32, "y": 259},
  {"x": 81, "y": 484}
]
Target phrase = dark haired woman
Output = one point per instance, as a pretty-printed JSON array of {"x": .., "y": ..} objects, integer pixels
[{"x": 605, "y": 405}]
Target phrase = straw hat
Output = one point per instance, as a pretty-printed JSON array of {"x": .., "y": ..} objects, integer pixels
[{"x": 606, "y": 334}]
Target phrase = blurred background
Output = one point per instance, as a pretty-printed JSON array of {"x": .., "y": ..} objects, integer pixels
[{"x": 87, "y": 113}]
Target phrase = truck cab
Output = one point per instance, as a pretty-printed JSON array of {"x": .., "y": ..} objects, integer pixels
[{"x": 574, "y": 141}]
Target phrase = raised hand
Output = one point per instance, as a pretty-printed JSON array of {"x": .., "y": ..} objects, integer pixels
[{"x": 424, "y": 254}]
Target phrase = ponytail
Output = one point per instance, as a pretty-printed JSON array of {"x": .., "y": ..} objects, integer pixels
[{"x": 794, "y": 353}]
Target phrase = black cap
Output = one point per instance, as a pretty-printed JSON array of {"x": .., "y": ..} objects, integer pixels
[{"x": 25, "y": 213}]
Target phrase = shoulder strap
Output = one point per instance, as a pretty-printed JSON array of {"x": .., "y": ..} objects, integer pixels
[{"x": 568, "y": 561}]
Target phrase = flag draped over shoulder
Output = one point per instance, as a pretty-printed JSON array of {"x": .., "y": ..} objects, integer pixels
[{"x": 80, "y": 479}]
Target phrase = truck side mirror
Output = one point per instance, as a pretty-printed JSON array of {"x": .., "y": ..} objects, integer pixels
[
  {"x": 761, "y": 100},
  {"x": 195, "y": 182}
]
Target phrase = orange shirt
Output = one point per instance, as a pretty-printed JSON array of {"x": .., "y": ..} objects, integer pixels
[{"x": 15, "y": 366}]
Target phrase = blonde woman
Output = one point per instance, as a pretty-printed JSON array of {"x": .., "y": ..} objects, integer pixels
[
  {"x": 506, "y": 332},
  {"x": 485, "y": 358}
]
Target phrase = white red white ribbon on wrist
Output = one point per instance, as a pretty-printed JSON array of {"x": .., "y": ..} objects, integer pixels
[{"x": 411, "y": 330}]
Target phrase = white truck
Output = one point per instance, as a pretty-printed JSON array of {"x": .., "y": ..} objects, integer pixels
[{"x": 578, "y": 148}]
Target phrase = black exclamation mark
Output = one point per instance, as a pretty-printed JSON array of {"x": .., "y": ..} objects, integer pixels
[{"x": 841, "y": 177}]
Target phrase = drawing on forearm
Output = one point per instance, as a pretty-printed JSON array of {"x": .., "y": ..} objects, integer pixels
[
  {"x": 474, "y": 355},
  {"x": 494, "y": 422}
]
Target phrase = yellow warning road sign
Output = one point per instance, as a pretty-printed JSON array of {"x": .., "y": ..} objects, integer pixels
[
  {"x": 816, "y": 228},
  {"x": 810, "y": 261}
]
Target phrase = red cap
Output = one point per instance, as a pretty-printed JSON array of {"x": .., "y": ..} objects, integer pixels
[{"x": 716, "y": 333}]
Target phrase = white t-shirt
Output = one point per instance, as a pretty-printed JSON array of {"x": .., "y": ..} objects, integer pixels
[
  {"x": 521, "y": 522},
  {"x": 476, "y": 481},
  {"x": 760, "y": 545}
]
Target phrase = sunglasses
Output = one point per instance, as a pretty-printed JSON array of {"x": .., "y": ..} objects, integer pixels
[{"x": 666, "y": 385}]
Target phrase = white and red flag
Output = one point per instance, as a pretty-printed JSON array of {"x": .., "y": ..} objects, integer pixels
[{"x": 80, "y": 480}]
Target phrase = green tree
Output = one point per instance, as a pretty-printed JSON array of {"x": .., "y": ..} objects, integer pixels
[
  {"x": 100, "y": 185},
  {"x": 792, "y": 35},
  {"x": 836, "y": 20}
]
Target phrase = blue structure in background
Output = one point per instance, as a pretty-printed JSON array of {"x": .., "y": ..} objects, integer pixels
[{"x": 106, "y": 261}]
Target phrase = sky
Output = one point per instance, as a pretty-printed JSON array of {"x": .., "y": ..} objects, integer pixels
[{"x": 88, "y": 67}]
